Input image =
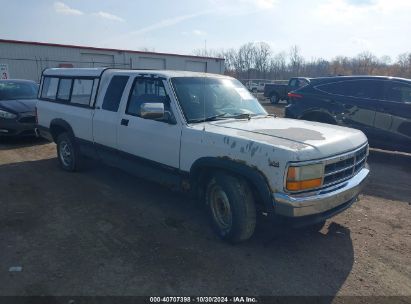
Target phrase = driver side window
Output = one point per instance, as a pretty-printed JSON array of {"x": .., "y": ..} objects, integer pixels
[{"x": 146, "y": 90}]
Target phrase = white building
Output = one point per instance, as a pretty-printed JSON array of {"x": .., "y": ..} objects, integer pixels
[{"x": 26, "y": 60}]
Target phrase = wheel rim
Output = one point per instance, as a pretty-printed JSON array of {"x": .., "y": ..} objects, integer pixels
[
  {"x": 220, "y": 207},
  {"x": 273, "y": 99},
  {"x": 65, "y": 153}
]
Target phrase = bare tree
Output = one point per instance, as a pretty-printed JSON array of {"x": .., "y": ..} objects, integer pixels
[
  {"x": 256, "y": 60},
  {"x": 278, "y": 66},
  {"x": 262, "y": 58},
  {"x": 364, "y": 63},
  {"x": 296, "y": 60},
  {"x": 316, "y": 67},
  {"x": 340, "y": 65},
  {"x": 385, "y": 60},
  {"x": 231, "y": 67},
  {"x": 404, "y": 64},
  {"x": 246, "y": 56}
]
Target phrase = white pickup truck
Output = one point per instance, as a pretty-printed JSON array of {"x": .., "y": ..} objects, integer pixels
[{"x": 207, "y": 135}]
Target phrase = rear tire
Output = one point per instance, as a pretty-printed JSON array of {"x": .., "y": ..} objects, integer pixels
[
  {"x": 231, "y": 206},
  {"x": 274, "y": 99},
  {"x": 67, "y": 152}
]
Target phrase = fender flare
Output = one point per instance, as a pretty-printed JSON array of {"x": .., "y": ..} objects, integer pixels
[
  {"x": 255, "y": 177},
  {"x": 274, "y": 92},
  {"x": 60, "y": 123}
]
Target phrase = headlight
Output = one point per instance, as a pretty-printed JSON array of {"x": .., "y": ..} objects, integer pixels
[
  {"x": 8, "y": 115},
  {"x": 304, "y": 177}
]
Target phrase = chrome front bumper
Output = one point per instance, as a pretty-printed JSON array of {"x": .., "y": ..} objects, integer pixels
[{"x": 322, "y": 200}]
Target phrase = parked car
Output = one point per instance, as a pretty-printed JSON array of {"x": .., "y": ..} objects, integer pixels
[
  {"x": 256, "y": 86},
  {"x": 277, "y": 91},
  {"x": 17, "y": 107},
  {"x": 378, "y": 106},
  {"x": 208, "y": 136},
  {"x": 252, "y": 86}
]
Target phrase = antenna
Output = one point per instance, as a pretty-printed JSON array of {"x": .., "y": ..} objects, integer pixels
[
  {"x": 204, "y": 101},
  {"x": 204, "y": 83}
]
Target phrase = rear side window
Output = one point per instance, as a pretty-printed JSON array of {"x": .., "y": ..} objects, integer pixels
[
  {"x": 114, "y": 93},
  {"x": 49, "y": 90},
  {"x": 302, "y": 83},
  {"x": 64, "y": 89},
  {"x": 82, "y": 89},
  {"x": 74, "y": 90},
  {"x": 398, "y": 92},
  {"x": 293, "y": 83},
  {"x": 368, "y": 89}
]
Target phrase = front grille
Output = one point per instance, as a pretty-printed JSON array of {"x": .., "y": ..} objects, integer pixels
[
  {"x": 28, "y": 119},
  {"x": 344, "y": 167}
]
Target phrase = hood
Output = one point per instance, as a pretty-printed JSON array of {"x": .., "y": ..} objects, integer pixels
[
  {"x": 319, "y": 140},
  {"x": 19, "y": 105}
]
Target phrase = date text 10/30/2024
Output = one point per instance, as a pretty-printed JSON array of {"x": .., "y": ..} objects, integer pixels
[{"x": 203, "y": 300}]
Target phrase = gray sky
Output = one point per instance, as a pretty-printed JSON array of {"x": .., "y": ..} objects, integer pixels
[{"x": 321, "y": 28}]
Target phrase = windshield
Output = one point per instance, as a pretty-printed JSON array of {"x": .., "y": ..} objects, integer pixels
[
  {"x": 202, "y": 98},
  {"x": 10, "y": 90}
]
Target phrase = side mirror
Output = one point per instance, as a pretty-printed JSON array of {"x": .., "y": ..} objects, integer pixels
[{"x": 152, "y": 110}]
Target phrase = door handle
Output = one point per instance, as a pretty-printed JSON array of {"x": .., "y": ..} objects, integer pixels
[{"x": 124, "y": 122}]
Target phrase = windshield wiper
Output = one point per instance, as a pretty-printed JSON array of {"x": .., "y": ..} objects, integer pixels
[
  {"x": 266, "y": 115},
  {"x": 210, "y": 118},
  {"x": 222, "y": 116},
  {"x": 240, "y": 116}
]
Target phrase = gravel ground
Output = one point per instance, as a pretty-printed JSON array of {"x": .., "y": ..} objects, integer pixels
[{"x": 104, "y": 232}]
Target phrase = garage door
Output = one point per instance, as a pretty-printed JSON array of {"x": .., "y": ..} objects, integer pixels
[
  {"x": 196, "y": 66},
  {"x": 151, "y": 63},
  {"x": 92, "y": 60}
]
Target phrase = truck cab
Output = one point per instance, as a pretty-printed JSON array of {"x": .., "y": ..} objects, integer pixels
[{"x": 206, "y": 135}]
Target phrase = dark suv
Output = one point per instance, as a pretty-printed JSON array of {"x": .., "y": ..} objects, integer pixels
[{"x": 378, "y": 106}]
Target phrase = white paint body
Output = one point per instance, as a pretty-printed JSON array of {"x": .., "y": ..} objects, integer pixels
[{"x": 257, "y": 142}]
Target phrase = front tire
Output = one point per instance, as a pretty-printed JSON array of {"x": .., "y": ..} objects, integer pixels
[
  {"x": 231, "y": 206},
  {"x": 67, "y": 152}
]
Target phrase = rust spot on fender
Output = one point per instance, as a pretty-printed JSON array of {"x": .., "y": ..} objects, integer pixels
[{"x": 253, "y": 150}]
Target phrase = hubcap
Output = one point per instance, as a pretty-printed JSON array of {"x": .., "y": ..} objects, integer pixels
[
  {"x": 220, "y": 207},
  {"x": 65, "y": 153}
]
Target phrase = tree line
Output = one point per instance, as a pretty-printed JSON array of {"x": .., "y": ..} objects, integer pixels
[{"x": 258, "y": 61}]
